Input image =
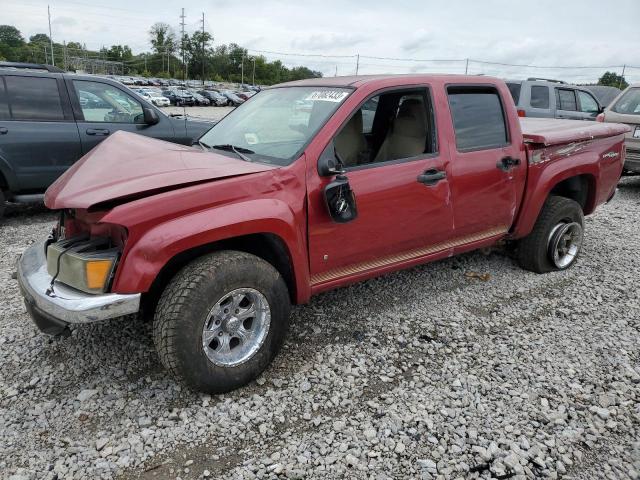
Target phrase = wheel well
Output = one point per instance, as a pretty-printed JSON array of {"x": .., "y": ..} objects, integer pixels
[
  {"x": 579, "y": 189},
  {"x": 267, "y": 246}
]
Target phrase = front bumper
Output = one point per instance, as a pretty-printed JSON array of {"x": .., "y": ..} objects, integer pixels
[{"x": 52, "y": 312}]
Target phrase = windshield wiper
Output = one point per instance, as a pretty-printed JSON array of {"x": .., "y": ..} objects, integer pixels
[
  {"x": 204, "y": 145},
  {"x": 237, "y": 150}
]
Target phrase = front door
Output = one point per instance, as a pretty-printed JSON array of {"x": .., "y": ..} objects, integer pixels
[
  {"x": 486, "y": 164},
  {"x": 399, "y": 178},
  {"x": 103, "y": 109}
]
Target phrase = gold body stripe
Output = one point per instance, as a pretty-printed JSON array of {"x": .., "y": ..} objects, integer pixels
[{"x": 403, "y": 256}]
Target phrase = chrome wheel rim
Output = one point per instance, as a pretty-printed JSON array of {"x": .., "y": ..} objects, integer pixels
[
  {"x": 565, "y": 241},
  {"x": 236, "y": 327}
]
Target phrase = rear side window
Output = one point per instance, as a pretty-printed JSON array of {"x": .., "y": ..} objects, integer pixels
[
  {"x": 566, "y": 100},
  {"x": 514, "y": 89},
  {"x": 478, "y": 118},
  {"x": 34, "y": 98},
  {"x": 539, "y": 97},
  {"x": 4, "y": 105}
]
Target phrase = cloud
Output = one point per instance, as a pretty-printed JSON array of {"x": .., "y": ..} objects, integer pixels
[
  {"x": 418, "y": 41},
  {"x": 328, "y": 41},
  {"x": 64, "y": 22}
]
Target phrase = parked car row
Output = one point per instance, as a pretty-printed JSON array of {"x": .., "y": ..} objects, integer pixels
[{"x": 183, "y": 96}]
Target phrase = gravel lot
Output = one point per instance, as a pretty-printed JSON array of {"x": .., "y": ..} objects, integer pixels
[{"x": 428, "y": 373}]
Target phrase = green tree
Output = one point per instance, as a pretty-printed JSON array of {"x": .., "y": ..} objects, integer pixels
[
  {"x": 162, "y": 38},
  {"x": 612, "y": 79},
  {"x": 10, "y": 36}
]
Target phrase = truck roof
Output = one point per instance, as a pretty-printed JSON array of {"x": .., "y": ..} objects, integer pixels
[
  {"x": 361, "y": 80},
  {"x": 551, "y": 131}
]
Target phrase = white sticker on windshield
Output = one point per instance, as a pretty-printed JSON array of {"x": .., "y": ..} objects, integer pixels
[
  {"x": 327, "y": 96},
  {"x": 251, "y": 138}
]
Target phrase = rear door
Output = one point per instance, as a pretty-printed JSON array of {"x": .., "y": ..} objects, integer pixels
[
  {"x": 567, "y": 104},
  {"x": 487, "y": 166},
  {"x": 38, "y": 137},
  {"x": 114, "y": 110}
]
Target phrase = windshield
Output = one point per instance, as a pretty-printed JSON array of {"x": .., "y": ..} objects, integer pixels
[
  {"x": 629, "y": 103},
  {"x": 276, "y": 124}
]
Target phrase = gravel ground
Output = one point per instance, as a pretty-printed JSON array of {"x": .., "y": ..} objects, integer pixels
[{"x": 434, "y": 372}]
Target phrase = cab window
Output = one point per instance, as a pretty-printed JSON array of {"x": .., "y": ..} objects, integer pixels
[
  {"x": 478, "y": 118},
  {"x": 390, "y": 126},
  {"x": 101, "y": 102}
]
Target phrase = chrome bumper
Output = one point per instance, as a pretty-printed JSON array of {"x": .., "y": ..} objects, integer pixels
[{"x": 65, "y": 304}]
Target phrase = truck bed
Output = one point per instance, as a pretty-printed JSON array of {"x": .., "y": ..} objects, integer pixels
[{"x": 550, "y": 131}]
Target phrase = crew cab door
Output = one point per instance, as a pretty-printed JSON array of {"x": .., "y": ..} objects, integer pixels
[
  {"x": 38, "y": 136},
  {"x": 387, "y": 145},
  {"x": 102, "y": 109},
  {"x": 488, "y": 168}
]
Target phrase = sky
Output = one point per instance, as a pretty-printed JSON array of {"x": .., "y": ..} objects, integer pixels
[{"x": 405, "y": 35}]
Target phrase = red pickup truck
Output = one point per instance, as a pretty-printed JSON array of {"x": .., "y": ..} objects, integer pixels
[{"x": 308, "y": 186}]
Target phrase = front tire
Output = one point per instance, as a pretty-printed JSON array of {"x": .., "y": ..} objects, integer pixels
[
  {"x": 221, "y": 320},
  {"x": 556, "y": 239}
]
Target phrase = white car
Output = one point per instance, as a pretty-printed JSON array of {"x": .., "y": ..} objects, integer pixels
[{"x": 153, "y": 97}]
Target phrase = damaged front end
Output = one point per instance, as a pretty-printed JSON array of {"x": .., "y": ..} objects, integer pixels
[{"x": 67, "y": 280}]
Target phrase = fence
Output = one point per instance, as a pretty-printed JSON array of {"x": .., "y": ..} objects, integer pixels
[{"x": 365, "y": 65}]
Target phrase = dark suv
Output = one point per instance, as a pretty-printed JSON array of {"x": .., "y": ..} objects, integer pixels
[{"x": 49, "y": 119}]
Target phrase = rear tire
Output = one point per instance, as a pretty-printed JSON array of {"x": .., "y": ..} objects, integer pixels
[
  {"x": 3, "y": 203},
  {"x": 204, "y": 330},
  {"x": 556, "y": 239}
]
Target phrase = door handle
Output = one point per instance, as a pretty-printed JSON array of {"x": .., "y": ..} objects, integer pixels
[
  {"x": 506, "y": 163},
  {"x": 97, "y": 131},
  {"x": 432, "y": 176},
  {"x": 4, "y": 130}
]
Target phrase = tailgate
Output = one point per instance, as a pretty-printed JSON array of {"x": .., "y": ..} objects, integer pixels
[{"x": 549, "y": 131}]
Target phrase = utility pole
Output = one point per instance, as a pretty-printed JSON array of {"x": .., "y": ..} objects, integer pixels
[
  {"x": 242, "y": 70},
  {"x": 466, "y": 67},
  {"x": 64, "y": 54},
  {"x": 336, "y": 74},
  {"x": 357, "y": 63},
  {"x": 145, "y": 62},
  {"x": 622, "y": 77},
  {"x": 253, "y": 76},
  {"x": 53, "y": 62},
  {"x": 203, "y": 55},
  {"x": 184, "y": 65}
]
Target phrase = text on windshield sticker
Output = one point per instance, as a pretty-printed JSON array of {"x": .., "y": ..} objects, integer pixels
[{"x": 327, "y": 95}]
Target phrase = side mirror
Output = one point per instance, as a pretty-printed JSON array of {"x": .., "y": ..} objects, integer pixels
[
  {"x": 150, "y": 116},
  {"x": 340, "y": 200},
  {"x": 330, "y": 163}
]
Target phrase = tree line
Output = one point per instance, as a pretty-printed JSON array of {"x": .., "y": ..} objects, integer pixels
[{"x": 171, "y": 56}]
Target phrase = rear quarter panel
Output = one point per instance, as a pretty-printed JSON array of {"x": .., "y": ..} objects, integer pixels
[{"x": 598, "y": 160}]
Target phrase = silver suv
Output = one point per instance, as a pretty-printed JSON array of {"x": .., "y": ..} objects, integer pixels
[
  {"x": 626, "y": 109},
  {"x": 540, "y": 97}
]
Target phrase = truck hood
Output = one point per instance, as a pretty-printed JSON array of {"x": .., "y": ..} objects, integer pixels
[{"x": 128, "y": 166}]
